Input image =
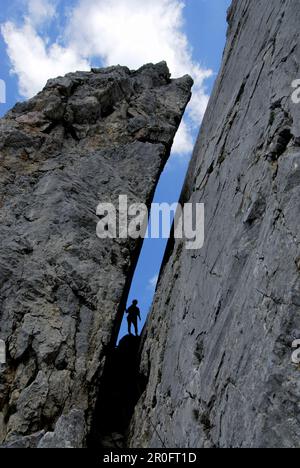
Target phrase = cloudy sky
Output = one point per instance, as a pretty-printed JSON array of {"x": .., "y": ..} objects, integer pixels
[{"x": 41, "y": 39}]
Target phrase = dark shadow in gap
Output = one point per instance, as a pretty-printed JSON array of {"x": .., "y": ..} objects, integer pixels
[
  {"x": 120, "y": 394},
  {"x": 121, "y": 383}
]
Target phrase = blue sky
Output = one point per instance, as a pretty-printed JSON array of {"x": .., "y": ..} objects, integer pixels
[
  {"x": 206, "y": 30},
  {"x": 41, "y": 39}
]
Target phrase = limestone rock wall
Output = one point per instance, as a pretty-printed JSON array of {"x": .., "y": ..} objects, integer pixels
[
  {"x": 217, "y": 346},
  {"x": 86, "y": 138}
]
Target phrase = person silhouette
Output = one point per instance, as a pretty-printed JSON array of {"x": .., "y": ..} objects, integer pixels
[{"x": 133, "y": 314}]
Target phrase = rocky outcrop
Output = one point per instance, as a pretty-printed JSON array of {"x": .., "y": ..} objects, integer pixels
[
  {"x": 86, "y": 138},
  {"x": 217, "y": 346}
]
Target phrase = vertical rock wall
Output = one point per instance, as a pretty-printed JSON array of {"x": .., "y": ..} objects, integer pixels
[
  {"x": 217, "y": 346},
  {"x": 86, "y": 138}
]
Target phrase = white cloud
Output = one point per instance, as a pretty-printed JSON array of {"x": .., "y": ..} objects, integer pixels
[
  {"x": 126, "y": 32},
  {"x": 40, "y": 11},
  {"x": 33, "y": 62},
  {"x": 198, "y": 104},
  {"x": 134, "y": 32},
  {"x": 153, "y": 282},
  {"x": 183, "y": 142}
]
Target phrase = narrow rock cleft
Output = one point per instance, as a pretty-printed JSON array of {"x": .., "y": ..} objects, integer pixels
[{"x": 86, "y": 138}]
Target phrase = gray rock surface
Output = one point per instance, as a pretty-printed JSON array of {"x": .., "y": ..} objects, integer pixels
[
  {"x": 218, "y": 344},
  {"x": 86, "y": 138},
  {"x": 69, "y": 432}
]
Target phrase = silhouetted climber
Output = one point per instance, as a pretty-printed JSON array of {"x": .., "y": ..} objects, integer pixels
[{"x": 133, "y": 314}]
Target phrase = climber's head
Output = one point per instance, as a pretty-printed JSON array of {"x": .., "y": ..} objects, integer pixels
[{"x": 135, "y": 302}]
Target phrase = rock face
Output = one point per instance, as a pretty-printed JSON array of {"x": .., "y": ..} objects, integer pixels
[
  {"x": 86, "y": 138},
  {"x": 218, "y": 344}
]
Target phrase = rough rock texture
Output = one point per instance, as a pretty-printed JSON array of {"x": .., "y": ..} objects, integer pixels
[
  {"x": 217, "y": 346},
  {"x": 85, "y": 139}
]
